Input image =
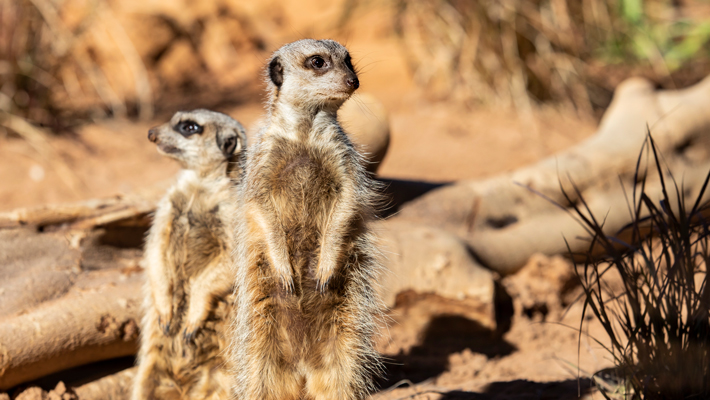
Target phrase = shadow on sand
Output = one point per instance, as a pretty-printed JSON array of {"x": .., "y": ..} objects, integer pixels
[
  {"x": 397, "y": 192},
  {"x": 526, "y": 390},
  {"x": 444, "y": 335}
]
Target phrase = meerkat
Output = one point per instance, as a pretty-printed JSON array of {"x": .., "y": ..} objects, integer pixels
[
  {"x": 189, "y": 285},
  {"x": 306, "y": 263}
]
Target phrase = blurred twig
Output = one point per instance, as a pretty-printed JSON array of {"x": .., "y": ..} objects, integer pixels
[
  {"x": 36, "y": 138},
  {"x": 64, "y": 39},
  {"x": 52, "y": 73},
  {"x": 133, "y": 59}
]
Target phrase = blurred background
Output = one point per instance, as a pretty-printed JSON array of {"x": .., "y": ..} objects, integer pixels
[{"x": 472, "y": 87}]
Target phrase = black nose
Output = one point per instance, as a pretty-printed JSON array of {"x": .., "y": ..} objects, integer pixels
[
  {"x": 353, "y": 83},
  {"x": 153, "y": 135}
]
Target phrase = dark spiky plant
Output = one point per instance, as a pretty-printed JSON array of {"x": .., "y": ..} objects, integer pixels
[{"x": 659, "y": 323}]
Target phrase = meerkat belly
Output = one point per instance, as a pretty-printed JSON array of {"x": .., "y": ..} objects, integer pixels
[
  {"x": 305, "y": 190},
  {"x": 195, "y": 236},
  {"x": 195, "y": 241}
]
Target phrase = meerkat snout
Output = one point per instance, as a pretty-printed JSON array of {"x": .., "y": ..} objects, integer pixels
[
  {"x": 351, "y": 77},
  {"x": 152, "y": 135},
  {"x": 354, "y": 83}
]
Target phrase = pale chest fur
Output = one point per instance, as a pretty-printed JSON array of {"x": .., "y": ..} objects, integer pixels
[{"x": 302, "y": 179}]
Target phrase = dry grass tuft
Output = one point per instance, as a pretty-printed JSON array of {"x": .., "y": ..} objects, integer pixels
[
  {"x": 64, "y": 62},
  {"x": 49, "y": 74},
  {"x": 526, "y": 52},
  {"x": 659, "y": 324}
]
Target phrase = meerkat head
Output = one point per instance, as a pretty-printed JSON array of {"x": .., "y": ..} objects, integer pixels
[
  {"x": 200, "y": 139},
  {"x": 312, "y": 73}
]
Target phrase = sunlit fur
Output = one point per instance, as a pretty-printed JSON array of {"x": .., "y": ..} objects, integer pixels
[
  {"x": 305, "y": 261},
  {"x": 189, "y": 287}
]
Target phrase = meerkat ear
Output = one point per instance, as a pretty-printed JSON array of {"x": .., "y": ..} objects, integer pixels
[
  {"x": 276, "y": 71},
  {"x": 230, "y": 141}
]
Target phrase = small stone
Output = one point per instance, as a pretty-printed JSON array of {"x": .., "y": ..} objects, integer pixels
[
  {"x": 33, "y": 393},
  {"x": 61, "y": 392},
  {"x": 60, "y": 389}
]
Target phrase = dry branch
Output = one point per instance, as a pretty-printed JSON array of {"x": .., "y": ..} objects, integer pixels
[
  {"x": 89, "y": 324},
  {"x": 507, "y": 218},
  {"x": 81, "y": 215},
  {"x": 34, "y": 269},
  {"x": 114, "y": 387},
  {"x": 67, "y": 296}
]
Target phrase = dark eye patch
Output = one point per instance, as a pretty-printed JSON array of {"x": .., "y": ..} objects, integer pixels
[
  {"x": 349, "y": 63},
  {"x": 188, "y": 128}
]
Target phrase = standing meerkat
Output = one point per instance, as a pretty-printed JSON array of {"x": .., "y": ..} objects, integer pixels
[
  {"x": 188, "y": 262},
  {"x": 306, "y": 263}
]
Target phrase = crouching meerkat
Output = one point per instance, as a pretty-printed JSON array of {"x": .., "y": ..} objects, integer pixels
[
  {"x": 189, "y": 285},
  {"x": 305, "y": 261}
]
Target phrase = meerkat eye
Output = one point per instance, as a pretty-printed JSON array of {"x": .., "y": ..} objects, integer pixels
[
  {"x": 317, "y": 62},
  {"x": 187, "y": 128}
]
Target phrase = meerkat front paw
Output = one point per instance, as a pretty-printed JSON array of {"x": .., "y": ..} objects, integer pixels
[
  {"x": 164, "y": 321},
  {"x": 197, "y": 313},
  {"x": 282, "y": 269},
  {"x": 164, "y": 308},
  {"x": 324, "y": 273},
  {"x": 285, "y": 279},
  {"x": 190, "y": 333}
]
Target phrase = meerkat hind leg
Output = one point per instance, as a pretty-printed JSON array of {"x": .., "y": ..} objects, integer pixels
[
  {"x": 146, "y": 380},
  {"x": 270, "y": 377},
  {"x": 333, "y": 371}
]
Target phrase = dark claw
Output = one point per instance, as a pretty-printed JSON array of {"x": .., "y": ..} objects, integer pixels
[
  {"x": 189, "y": 337},
  {"x": 323, "y": 286},
  {"x": 288, "y": 285},
  {"x": 163, "y": 326}
]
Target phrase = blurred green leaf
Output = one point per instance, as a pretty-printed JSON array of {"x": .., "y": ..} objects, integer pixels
[
  {"x": 632, "y": 11},
  {"x": 689, "y": 46},
  {"x": 643, "y": 46}
]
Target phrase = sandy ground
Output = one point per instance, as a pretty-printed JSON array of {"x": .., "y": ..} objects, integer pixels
[
  {"x": 436, "y": 353},
  {"x": 433, "y": 351}
]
